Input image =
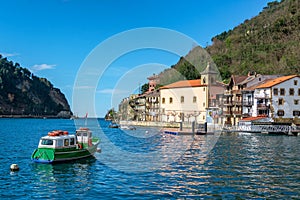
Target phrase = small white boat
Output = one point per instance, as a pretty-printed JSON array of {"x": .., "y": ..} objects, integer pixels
[{"x": 125, "y": 127}]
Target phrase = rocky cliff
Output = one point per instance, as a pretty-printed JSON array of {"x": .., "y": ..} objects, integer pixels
[{"x": 22, "y": 94}]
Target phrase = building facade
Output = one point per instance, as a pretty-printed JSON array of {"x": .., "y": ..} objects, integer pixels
[
  {"x": 239, "y": 96},
  {"x": 183, "y": 101},
  {"x": 279, "y": 99}
]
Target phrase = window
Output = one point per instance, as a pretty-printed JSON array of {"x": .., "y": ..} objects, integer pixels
[
  {"x": 59, "y": 143},
  {"x": 203, "y": 104},
  {"x": 296, "y": 113},
  {"x": 72, "y": 141},
  {"x": 275, "y": 91},
  {"x": 296, "y": 101},
  {"x": 47, "y": 142},
  {"x": 182, "y": 99},
  {"x": 171, "y": 100},
  {"x": 163, "y": 101},
  {"x": 280, "y": 101},
  {"x": 194, "y": 99},
  {"x": 66, "y": 142},
  {"x": 204, "y": 89},
  {"x": 299, "y": 91},
  {"x": 295, "y": 82},
  {"x": 292, "y": 91},
  {"x": 280, "y": 112},
  {"x": 282, "y": 91}
]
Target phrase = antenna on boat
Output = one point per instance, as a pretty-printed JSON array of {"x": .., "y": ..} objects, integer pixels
[{"x": 85, "y": 123}]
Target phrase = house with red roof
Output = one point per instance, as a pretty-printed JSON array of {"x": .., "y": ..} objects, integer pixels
[
  {"x": 278, "y": 99},
  {"x": 190, "y": 100},
  {"x": 239, "y": 96}
]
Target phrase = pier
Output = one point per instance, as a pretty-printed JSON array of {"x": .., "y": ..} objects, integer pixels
[
  {"x": 265, "y": 128},
  {"x": 196, "y": 129}
]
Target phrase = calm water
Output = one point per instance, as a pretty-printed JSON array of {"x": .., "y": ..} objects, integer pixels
[{"x": 240, "y": 166}]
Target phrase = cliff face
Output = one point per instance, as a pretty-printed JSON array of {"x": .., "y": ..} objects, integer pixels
[{"x": 22, "y": 93}]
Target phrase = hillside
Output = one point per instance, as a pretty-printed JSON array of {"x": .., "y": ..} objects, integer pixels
[
  {"x": 188, "y": 67},
  {"x": 24, "y": 94},
  {"x": 268, "y": 43}
]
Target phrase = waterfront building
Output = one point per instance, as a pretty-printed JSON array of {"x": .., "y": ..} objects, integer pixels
[
  {"x": 183, "y": 101},
  {"x": 126, "y": 112},
  {"x": 247, "y": 88},
  {"x": 239, "y": 96},
  {"x": 279, "y": 99},
  {"x": 191, "y": 100},
  {"x": 145, "y": 107},
  {"x": 232, "y": 107},
  {"x": 153, "y": 106}
]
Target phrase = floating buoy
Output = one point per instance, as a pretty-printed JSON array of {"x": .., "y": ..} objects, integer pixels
[
  {"x": 98, "y": 150},
  {"x": 146, "y": 132},
  {"x": 14, "y": 167}
]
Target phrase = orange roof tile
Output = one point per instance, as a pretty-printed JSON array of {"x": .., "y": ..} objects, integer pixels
[
  {"x": 275, "y": 81},
  {"x": 253, "y": 118},
  {"x": 185, "y": 83}
]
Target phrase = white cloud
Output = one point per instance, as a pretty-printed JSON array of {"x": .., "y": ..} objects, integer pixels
[
  {"x": 42, "y": 67},
  {"x": 112, "y": 91},
  {"x": 9, "y": 54},
  {"x": 83, "y": 87}
]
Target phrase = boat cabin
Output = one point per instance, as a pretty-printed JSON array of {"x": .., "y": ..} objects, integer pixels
[
  {"x": 84, "y": 136},
  {"x": 62, "y": 141}
]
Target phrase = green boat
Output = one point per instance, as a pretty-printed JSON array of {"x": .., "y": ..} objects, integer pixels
[{"x": 60, "y": 146}]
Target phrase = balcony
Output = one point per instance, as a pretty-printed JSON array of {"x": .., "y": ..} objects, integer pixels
[
  {"x": 227, "y": 93},
  {"x": 247, "y": 103},
  {"x": 237, "y": 113},
  {"x": 245, "y": 115},
  {"x": 237, "y": 92},
  {"x": 262, "y": 106},
  {"x": 228, "y": 103},
  {"x": 262, "y": 96},
  {"x": 227, "y": 113},
  {"x": 238, "y": 103}
]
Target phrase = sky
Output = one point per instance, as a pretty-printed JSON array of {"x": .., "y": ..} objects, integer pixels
[{"x": 56, "y": 38}]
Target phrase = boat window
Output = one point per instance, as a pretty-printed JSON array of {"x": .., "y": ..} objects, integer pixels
[
  {"x": 47, "y": 142},
  {"x": 85, "y": 134},
  {"x": 72, "y": 141},
  {"x": 78, "y": 134},
  {"x": 59, "y": 143},
  {"x": 66, "y": 142}
]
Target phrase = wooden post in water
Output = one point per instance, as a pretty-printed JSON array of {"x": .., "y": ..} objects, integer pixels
[{"x": 193, "y": 127}]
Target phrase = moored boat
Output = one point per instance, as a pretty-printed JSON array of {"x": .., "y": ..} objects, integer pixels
[
  {"x": 60, "y": 146},
  {"x": 113, "y": 125}
]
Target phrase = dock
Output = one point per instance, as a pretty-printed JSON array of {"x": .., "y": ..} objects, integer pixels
[{"x": 196, "y": 129}]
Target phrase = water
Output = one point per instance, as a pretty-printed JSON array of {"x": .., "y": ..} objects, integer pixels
[{"x": 240, "y": 166}]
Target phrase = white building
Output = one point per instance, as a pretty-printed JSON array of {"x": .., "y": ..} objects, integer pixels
[
  {"x": 191, "y": 100},
  {"x": 183, "y": 101},
  {"x": 278, "y": 99}
]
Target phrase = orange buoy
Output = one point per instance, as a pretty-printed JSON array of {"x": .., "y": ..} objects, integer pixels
[{"x": 53, "y": 133}]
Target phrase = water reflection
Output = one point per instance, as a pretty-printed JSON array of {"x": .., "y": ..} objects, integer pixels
[{"x": 51, "y": 179}]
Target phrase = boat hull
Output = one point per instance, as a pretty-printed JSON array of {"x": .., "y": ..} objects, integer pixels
[{"x": 49, "y": 156}]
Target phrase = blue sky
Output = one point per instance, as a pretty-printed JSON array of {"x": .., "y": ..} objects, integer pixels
[{"x": 52, "y": 38}]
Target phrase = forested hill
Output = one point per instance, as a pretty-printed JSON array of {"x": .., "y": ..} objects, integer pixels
[
  {"x": 24, "y": 94},
  {"x": 268, "y": 43}
]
